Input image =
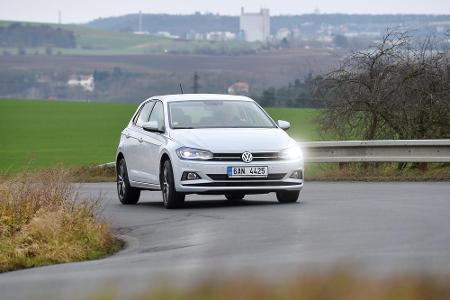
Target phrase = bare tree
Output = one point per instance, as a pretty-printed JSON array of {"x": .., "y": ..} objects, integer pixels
[{"x": 397, "y": 89}]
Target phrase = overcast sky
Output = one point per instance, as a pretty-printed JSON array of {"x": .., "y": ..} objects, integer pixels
[{"x": 78, "y": 11}]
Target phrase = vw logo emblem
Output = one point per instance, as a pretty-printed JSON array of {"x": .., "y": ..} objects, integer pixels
[{"x": 247, "y": 157}]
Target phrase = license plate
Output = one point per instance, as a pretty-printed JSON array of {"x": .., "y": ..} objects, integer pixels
[{"x": 247, "y": 172}]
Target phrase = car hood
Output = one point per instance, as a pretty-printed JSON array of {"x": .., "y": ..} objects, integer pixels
[{"x": 232, "y": 140}]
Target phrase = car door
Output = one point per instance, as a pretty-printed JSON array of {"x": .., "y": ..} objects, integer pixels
[
  {"x": 134, "y": 137},
  {"x": 151, "y": 144}
]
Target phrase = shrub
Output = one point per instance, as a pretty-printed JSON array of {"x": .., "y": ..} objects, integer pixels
[{"x": 42, "y": 222}]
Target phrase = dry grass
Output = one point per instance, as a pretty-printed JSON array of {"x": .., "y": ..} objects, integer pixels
[
  {"x": 92, "y": 173},
  {"x": 376, "y": 172},
  {"x": 87, "y": 173},
  {"x": 335, "y": 285},
  {"x": 42, "y": 222},
  {"x": 313, "y": 172}
]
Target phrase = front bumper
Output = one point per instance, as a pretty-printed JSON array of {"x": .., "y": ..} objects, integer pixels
[{"x": 214, "y": 177}]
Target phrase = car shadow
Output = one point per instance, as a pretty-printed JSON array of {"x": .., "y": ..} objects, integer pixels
[{"x": 198, "y": 204}]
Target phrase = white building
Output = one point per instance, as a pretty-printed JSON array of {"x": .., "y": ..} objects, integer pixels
[
  {"x": 220, "y": 36},
  {"x": 283, "y": 33},
  {"x": 239, "y": 88},
  {"x": 167, "y": 34},
  {"x": 86, "y": 82},
  {"x": 255, "y": 26}
]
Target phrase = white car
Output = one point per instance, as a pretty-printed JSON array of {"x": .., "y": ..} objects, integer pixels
[{"x": 206, "y": 144}]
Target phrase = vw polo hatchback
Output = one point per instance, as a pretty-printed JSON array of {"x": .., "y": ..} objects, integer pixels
[{"x": 206, "y": 144}]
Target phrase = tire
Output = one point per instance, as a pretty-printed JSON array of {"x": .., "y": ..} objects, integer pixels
[
  {"x": 288, "y": 196},
  {"x": 128, "y": 195},
  {"x": 171, "y": 198},
  {"x": 234, "y": 196}
]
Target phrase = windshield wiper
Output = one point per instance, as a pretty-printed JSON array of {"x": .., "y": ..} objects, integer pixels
[{"x": 184, "y": 127}]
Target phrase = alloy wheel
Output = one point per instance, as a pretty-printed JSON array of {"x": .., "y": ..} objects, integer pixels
[
  {"x": 166, "y": 187},
  {"x": 121, "y": 181}
]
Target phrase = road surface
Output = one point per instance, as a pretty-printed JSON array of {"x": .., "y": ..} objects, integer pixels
[{"x": 379, "y": 228}]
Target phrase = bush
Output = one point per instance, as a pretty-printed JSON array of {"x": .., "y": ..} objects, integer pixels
[{"x": 42, "y": 222}]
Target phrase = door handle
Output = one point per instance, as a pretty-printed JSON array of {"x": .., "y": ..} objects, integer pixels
[
  {"x": 127, "y": 135},
  {"x": 141, "y": 140}
]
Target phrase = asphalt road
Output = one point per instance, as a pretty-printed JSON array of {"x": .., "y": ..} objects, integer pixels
[{"x": 379, "y": 228}]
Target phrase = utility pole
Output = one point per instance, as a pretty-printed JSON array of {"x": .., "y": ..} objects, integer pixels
[
  {"x": 59, "y": 17},
  {"x": 196, "y": 86},
  {"x": 140, "y": 21}
]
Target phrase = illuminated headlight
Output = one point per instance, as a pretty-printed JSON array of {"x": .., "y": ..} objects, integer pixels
[
  {"x": 194, "y": 154},
  {"x": 292, "y": 153}
]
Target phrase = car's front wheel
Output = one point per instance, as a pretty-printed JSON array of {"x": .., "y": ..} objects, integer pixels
[
  {"x": 288, "y": 196},
  {"x": 172, "y": 198},
  {"x": 127, "y": 194}
]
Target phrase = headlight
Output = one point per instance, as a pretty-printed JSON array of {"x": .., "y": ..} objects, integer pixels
[
  {"x": 292, "y": 153},
  {"x": 194, "y": 154}
]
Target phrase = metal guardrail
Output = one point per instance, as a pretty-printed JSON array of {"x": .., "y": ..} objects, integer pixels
[
  {"x": 377, "y": 151},
  {"x": 372, "y": 151}
]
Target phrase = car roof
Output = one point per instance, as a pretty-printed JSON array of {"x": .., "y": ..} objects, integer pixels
[{"x": 191, "y": 97}]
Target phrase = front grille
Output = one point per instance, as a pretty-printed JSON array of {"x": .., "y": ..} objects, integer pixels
[
  {"x": 261, "y": 156},
  {"x": 278, "y": 176},
  {"x": 240, "y": 183}
]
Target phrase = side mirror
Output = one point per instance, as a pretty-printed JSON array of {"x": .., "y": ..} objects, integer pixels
[
  {"x": 152, "y": 126},
  {"x": 284, "y": 125}
]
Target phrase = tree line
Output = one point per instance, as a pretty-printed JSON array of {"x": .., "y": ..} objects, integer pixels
[{"x": 20, "y": 35}]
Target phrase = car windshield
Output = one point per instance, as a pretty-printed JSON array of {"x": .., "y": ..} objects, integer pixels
[{"x": 217, "y": 114}]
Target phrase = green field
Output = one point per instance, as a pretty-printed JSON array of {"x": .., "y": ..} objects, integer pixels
[
  {"x": 39, "y": 134},
  {"x": 99, "y": 42}
]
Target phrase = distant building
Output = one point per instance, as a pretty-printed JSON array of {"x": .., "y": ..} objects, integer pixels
[
  {"x": 167, "y": 34},
  {"x": 86, "y": 82},
  {"x": 283, "y": 33},
  {"x": 255, "y": 26},
  {"x": 220, "y": 36},
  {"x": 239, "y": 88}
]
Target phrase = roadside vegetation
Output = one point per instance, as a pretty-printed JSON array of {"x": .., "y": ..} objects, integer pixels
[
  {"x": 334, "y": 285},
  {"x": 42, "y": 222},
  {"x": 376, "y": 172}
]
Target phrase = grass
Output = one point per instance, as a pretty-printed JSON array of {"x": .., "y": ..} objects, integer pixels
[
  {"x": 92, "y": 173},
  {"x": 332, "y": 285},
  {"x": 42, "y": 134},
  {"x": 376, "y": 172},
  {"x": 42, "y": 222},
  {"x": 79, "y": 135},
  {"x": 303, "y": 124}
]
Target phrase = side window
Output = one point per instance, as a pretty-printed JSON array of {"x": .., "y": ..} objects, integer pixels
[
  {"x": 158, "y": 115},
  {"x": 144, "y": 113}
]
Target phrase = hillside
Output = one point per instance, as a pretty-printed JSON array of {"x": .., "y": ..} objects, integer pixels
[
  {"x": 308, "y": 24},
  {"x": 93, "y": 41},
  {"x": 133, "y": 77}
]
